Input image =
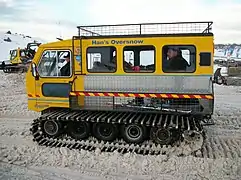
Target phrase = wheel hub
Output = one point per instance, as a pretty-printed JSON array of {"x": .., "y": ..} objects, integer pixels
[
  {"x": 162, "y": 136},
  {"x": 133, "y": 131},
  {"x": 51, "y": 128},
  {"x": 105, "y": 130},
  {"x": 79, "y": 130}
]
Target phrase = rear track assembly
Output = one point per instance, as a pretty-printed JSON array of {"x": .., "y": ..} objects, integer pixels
[
  {"x": 15, "y": 69},
  {"x": 142, "y": 133}
]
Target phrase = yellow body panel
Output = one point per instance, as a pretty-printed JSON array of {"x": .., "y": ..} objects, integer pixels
[
  {"x": 15, "y": 59},
  {"x": 38, "y": 102}
]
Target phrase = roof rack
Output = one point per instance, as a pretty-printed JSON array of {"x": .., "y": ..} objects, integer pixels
[{"x": 146, "y": 29}]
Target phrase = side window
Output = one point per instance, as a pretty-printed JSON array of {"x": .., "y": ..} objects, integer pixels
[
  {"x": 205, "y": 59},
  {"x": 22, "y": 53},
  {"x": 55, "y": 64},
  {"x": 101, "y": 59},
  {"x": 179, "y": 58},
  {"x": 13, "y": 54},
  {"x": 139, "y": 59}
]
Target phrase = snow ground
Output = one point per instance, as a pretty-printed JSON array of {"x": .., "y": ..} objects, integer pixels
[{"x": 21, "y": 158}]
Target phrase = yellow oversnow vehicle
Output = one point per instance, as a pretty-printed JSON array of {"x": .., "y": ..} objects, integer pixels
[
  {"x": 20, "y": 59},
  {"x": 144, "y": 88}
]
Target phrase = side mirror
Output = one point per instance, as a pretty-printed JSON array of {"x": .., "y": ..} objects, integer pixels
[{"x": 34, "y": 71}]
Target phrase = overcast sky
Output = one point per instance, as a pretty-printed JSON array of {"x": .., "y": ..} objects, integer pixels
[{"x": 41, "y": 18}]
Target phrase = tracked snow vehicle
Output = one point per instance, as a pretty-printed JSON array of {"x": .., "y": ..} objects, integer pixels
[
  {"x": 145, "y": 88},
  {"x": 19, "y": 59}
]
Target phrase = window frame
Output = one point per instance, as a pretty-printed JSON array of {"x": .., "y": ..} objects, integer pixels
[
  {"x": 57, "y": 50},
  {"x": 24, "y": 51},
  {"x": 87, "y": 60},
  {"x": 43, "y": 89},
  {"x": 13, "y": 57},
  {"x": 180, "y": 45},
  {"x": 147, "y": 45}
]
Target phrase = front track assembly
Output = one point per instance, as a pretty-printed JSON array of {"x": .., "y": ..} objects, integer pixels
[
  {"x": 15, "y": 69},
  {"x": 137, "y": 132}
]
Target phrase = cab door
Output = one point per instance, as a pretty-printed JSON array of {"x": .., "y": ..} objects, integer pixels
[
  {"x": 55, "y": 74},
  {"x": 13, "y": 56}
]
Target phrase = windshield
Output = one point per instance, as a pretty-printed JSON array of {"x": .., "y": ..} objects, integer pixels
[
  {"x": 13, "y": 54},
  {"x": 22, "y": 53}
]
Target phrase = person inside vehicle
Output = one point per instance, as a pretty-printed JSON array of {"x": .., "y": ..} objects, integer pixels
[
  {"x": 65, "y": 70},
  {"x": 176, "y": 61},
  {"x": 3, "y": 64},
  {"x": 127, "y": 65}
]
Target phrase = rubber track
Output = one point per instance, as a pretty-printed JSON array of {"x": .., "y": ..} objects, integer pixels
[
  {"x": 147, "y": 147},
  {"x": 15, "y": 70}
]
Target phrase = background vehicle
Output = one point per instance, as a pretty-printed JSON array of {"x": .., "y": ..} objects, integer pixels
[
  {"x": 20, "y": 59},
  {"x": 120, "y": 94}
]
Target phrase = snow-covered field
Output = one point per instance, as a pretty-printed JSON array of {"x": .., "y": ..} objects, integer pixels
[{"x": 21, "y": 158}]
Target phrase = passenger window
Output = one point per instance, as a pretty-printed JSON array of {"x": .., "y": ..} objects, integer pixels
[
  {"x": 13, "y": 54},
  {"x": 101, "y": 59},
  {"x": 22, "y": 53},
  {"x": 55, "y": 64},
  {"x": 139, "y": 59},
  {"x": 179, "y": 58}
]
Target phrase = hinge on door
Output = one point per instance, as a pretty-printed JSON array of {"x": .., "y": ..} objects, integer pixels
[
  {"x": 71, "y": 82},
  {"x": 79, "y": 73}
]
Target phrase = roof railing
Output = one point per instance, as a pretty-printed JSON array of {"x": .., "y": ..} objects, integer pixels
[{"x": 204, "y": 27}]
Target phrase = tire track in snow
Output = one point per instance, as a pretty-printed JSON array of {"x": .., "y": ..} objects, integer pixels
[
  {"x": 227, "y": 120},
  {"x": 220, "y": 142},
  {"x": 223, "y": 138},
  {"x": 216, "y": 147}
]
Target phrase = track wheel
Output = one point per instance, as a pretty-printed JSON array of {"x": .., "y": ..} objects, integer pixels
[
  {"x": 133, "y": 133},
  {"x": 79, "y": 130},
  {"x": 52, "y": 128},
  {"x": 104, "y": 131},
  {"x": 161, "y": 136}
]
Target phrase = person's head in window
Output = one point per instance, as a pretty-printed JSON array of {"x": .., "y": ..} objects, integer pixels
[
  {"x": 173, "y": 52},
  {"x": 113, "y": 60},
  {"x": 65, "y": 70},
  {"x": 67, "y": 57},
  {"x": 176, "y": 61}
]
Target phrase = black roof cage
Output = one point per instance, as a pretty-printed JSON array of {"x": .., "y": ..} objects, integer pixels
[{"x": 204, "y": 27}]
